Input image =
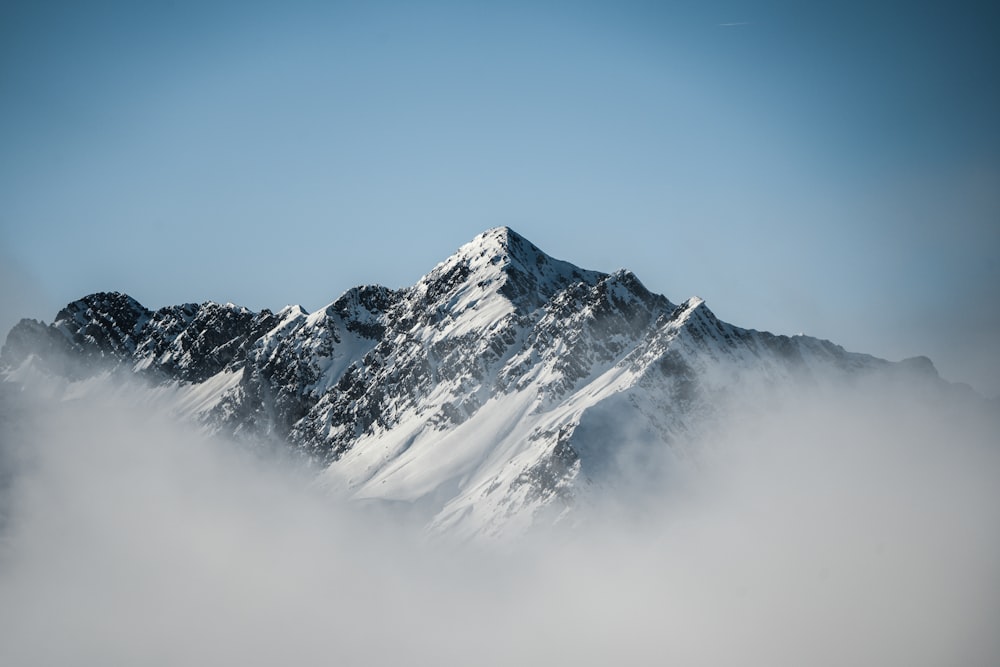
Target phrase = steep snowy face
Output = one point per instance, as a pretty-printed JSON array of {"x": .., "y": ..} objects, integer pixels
[
  {"x": 194, "y": 342},
  {"x": 300, "y": 359},
  {"x": 443, "y": 342},
  {"x": 503, "y": 389},
  {"x": 583, "y": 329}
]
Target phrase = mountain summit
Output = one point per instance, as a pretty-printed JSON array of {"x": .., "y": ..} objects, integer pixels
[
  {"x": 494, "y": 394},
  {"x": 500, "y": 259}
]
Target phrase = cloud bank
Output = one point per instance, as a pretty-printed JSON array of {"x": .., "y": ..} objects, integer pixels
[{"x": 855, "y": 529}]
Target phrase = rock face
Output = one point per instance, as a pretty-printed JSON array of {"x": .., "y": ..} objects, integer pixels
[{"x": 492, "y": 394}]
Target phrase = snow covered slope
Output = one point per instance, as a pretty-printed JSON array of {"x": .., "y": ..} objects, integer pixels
[{"x": 495, "y": 394}]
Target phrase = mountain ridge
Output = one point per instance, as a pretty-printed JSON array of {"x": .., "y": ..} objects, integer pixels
[{"x": 499, "y": 390}]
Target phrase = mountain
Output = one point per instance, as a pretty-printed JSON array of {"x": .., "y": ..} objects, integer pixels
[{"x": 502, "y": 390}]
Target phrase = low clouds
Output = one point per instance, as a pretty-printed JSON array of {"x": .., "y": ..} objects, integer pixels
[{"x": 853, "y": 530}]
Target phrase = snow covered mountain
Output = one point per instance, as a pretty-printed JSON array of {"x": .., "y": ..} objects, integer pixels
[{"x": 496, "y": 393}]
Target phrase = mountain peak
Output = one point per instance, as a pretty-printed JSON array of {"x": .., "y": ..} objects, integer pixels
[
  {"x": 502, "y": 261},
  {"x": 693, "y": 303},
  {"x": 502, "y": 235},
  {"x": 503, "y": 243},
  {"x": 111, "y": 305}
]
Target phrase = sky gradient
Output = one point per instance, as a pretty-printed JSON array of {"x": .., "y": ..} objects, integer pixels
[{"x": 833, "y": 171}]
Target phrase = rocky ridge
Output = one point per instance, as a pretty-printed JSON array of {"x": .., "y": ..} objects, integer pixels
[{"x": 492, "y": 395}]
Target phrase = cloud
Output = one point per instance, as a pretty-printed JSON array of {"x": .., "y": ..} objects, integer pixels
[{"x": 854, "y": 530}]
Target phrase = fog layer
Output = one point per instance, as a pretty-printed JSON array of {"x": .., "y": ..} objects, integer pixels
[{"x": 851, "y": 530}]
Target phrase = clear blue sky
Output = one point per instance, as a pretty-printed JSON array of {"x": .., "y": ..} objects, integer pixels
[{"x": 828, "y": 170}]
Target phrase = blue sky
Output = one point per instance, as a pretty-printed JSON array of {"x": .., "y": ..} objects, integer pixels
[{"x": 827, "y": 170}]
